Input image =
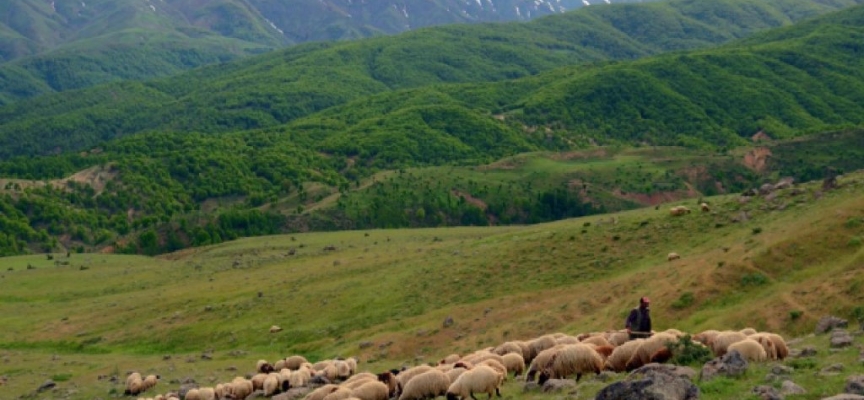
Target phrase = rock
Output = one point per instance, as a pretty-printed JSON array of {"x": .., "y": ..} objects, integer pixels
[
  {"x": 365, "y": 345},
  {"x": 841, "y": 338},
  {"x": 258, "y": 394},
  {"x": 807, "y": 352},
  {"x": 833, "y": 368},
  {"x": 655, "y": 385},
  {"x": 731, "y": 365},
  {"x": 318, "y": 381},
  {"x": 448, "y": 322},
  {"x": 766, "y": 189},
  {"x": 855, "y": 385},
  {"x": 828, "y": 323},
  {"x": 605, "y": 376},
  {"x": 679, "y": 371},
  {"x": 780, "y": 369},
  {"x": 845, "y": 396},
  {"x": 530, "y": 387},
  {"x": 741, "y": 217},
  {"x": 767, "y": 393},
  {"x": 185, "y": 388},
  {"x": 560, "y": 385},
  {"x": 49, "y": 384},
  {"x": 789, "y": 387},
  {"x": 293, "y": 394},
  {"x": 784, "y": 183}
]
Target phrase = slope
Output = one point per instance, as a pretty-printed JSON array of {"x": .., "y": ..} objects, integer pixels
[
  {"x": 798, "y": 251},
  {"x": 276, "y": 88}
]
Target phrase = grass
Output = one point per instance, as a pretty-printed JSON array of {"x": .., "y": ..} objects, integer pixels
[{"x": 394, "y": 288}]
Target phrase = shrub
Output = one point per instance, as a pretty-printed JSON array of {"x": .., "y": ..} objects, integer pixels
[
  {"x": 687, "y": 352},
  {"x": 795, "y": 314},
  {"x": 854, "y": 222},
  {"x": 686, "y": 300},
  {"x": 855, "y": 241},
  {"x": 754, "y": 279},
  {"x": 757, "y": 230}
]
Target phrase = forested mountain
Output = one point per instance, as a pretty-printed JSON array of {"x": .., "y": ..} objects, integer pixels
[
  {"x": 280, "y": 87},
  {"x": 347, "y": 166},
  {"x": 57, "y": 46}
]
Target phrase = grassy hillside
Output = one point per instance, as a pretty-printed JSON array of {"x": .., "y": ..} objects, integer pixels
[
  {"x": 280, "y": 87},
  {"x": 795, "y": 258}
]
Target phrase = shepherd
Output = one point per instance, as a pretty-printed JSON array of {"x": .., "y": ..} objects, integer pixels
[{"x": 639, "y": 321}]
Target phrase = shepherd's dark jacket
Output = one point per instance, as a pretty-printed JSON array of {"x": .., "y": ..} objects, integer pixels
[{"x": 639, "y": 320}]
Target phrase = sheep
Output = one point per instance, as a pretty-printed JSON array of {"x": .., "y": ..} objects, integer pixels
[
  {"x": 321, "y": 392},
  {"x": 617, "y": 361},
  {"x": 360, "y": 377},
  {"x": 150, "y": 382},
  {"x": 479, "y": 358},
  {"x": 597, "y": 340},
  {"x": 539, "y": 361},
  {"x": 537, "y": 345},
  {"x": 450, "y": 359},
  {"x": 207, "y": 393},
  {"x": 340, "y": 393},
  {"x": 661, "y": 355},
  {"x": 343, "y": 370},
  {"x": 514, "y": 363},
  {"x": 275, "y": 328},
  {"x": 674, "y": 332},
  {"x": 706, "y": 337},
  {"x": 352, "y": 365},
  {"x": 271, "y": 384},
  {"x": 263, "y": 367},
  {"x": 749, "y": 349},
  {"x": 507, "y": 347},
  {"x": 617, "y": 338},
  {"x": 427, "y": 385},
  {"x": 330, "y": 372},
  {"x": 679, "y": 211},
  {"x": 240, "y": 387},
  {"x": 279, "y": 365},
  {"x": 320, "y": 365},
  {"x": 748, "y": 331},
  {"x": 567, "y": 340},
  {"x": 673, "y": 256},
  {"x": 258, "y": 381},
  {"x": 405, "y": 376},
  {"x": 389, "y": 379},
  {"x": 572, "y": 359},
  {"x": 372, "y": 390},
  {"x": 454, "y": 373},
  {"x": 646, "y": 349},
  {"x": 481, "y": 379},
  {"x": 705, "y": 207},
  {"x": 294, "y": 362},
  {"x": 766, "y": 343},
  {"x": 192, "y": 394},
  {"x": 300, "y": 377},
  {"x": 497, "y": 366},
  {"x": 604, "y": 351},
  {"x": 723, "y": 340},
  {"x": 134, "y": 384},
  {"x": 779, "y": 344}
]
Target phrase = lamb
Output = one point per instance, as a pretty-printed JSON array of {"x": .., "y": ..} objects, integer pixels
[
  {"x": 705, "y": 207},
  {"x": 427, "y": 385},
  {"x": 679, "y": 211},
  {"x": 572, "y": 359},
  {"x": 294, "y": 362},
  {"x": 673, "y": 256},
  {"x": 749, "y": 349},
  {"x": 514, "y": 363},
  {"x": 723, "y": 340},
  {"x": 481, "y": 379},
  {"x": 372, "y": 390}
]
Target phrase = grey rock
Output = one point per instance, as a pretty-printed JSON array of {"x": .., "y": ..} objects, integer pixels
[
  {"x": 784, "y": 183},
  {"x": 772, "y": 377},
  {"x": 731, "y": 365},
  {"x": 830, "y": 322},
  {"x": 448, "y": 322},
  {"x": 258, "y": 394},
  {"x": 655, "y": 385},
  {"x": 560, "y": 386},
  {"x": 766, "y": 189},
  {"x": 318, "y": 381},
  {"x": 185, "y": 388},
  {"x": 679, "y": 371},
  {"x": 807, "y": 352},
  {"x": 49, "y": 384},
  {"x": 366, "y": 344},
  {"x": 293, "y": 394},
  {"x": 780, "y": 369},
  {"x": 606, "y": 376},
  {"x": 834, "y": 368},
  {"x": 767, "y": 393},
  {"x": 855, "y": 385},
  {"x": 530, "y": 387},
  {"x": 840, "y": 339},
  {"x": 789, "y": 387}
]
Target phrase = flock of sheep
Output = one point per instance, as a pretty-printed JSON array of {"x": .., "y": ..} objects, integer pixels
[{"x": 553, "y": 356}]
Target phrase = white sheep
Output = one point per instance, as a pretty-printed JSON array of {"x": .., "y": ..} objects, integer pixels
[
  {"x": 294, "y": 362},
  {"x": 673, "y": 256},
  {"x": 750, "y": 349},
  {"x": 723, "y": 340},
  {"x": 617, "y": 361},
  {"x": 134, "y": 384},
  {"x": 514, "y": 363},
  {"x": 572, "y": 359},
  {"x": 339, "y": 394},
  {"x": 678, "y": 211},
  {"x": 371, "y": 390},
  {"x": 481, "y": 379},
  {"x": 405, "y": 376},
  {"x": 321, "y": 392},
  {"x": 428, "y": 385}
]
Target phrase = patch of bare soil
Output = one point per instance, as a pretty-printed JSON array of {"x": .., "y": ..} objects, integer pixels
[
  {"x": 471, "y": 199},
  {"x": 757, "y": 159}
]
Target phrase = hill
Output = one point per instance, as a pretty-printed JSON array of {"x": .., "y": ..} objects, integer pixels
[
  {"x": 795, "y": 257},
  {"x": 276, "y": 88}
]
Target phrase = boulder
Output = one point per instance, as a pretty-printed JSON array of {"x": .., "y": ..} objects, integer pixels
[
  {"x": 604, "y": 376},
  {"x": 258, "y": 394},
  {"x": 780, "y": 369},
  {"x": 448, "y": 322},
  {"x": 855, "y": 385},
  {"x": 841, "y": 338},
  {"x": 830, "y": 322},
  {"x": 789, "y": 387},
  {"x": 654, "y": 385},
  {"x": 683, "y": 372},
  {"x": 807, "y": 352},
  {"x": 766, "y": 189},
  {"x": 560, "y": 385},
  {"x": 49, "y": 384},
  {"x": 767, "y": 393},
  {"x": 833, "y": 368},
  {"x": 731, "y": 365},
  {"x": 293, "y": 394}
]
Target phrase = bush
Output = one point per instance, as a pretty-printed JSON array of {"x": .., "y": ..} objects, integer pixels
[
  {"x": 854, "y": 241},
  {"x": 795, "y": 314},
  {"x": 689, "y": 353},
  {"x": 754, "y": 279},
  {"x": 854, "y": 222},
  {"x": 757, "y": 230},
  {"x": 686, "y": 300}
]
